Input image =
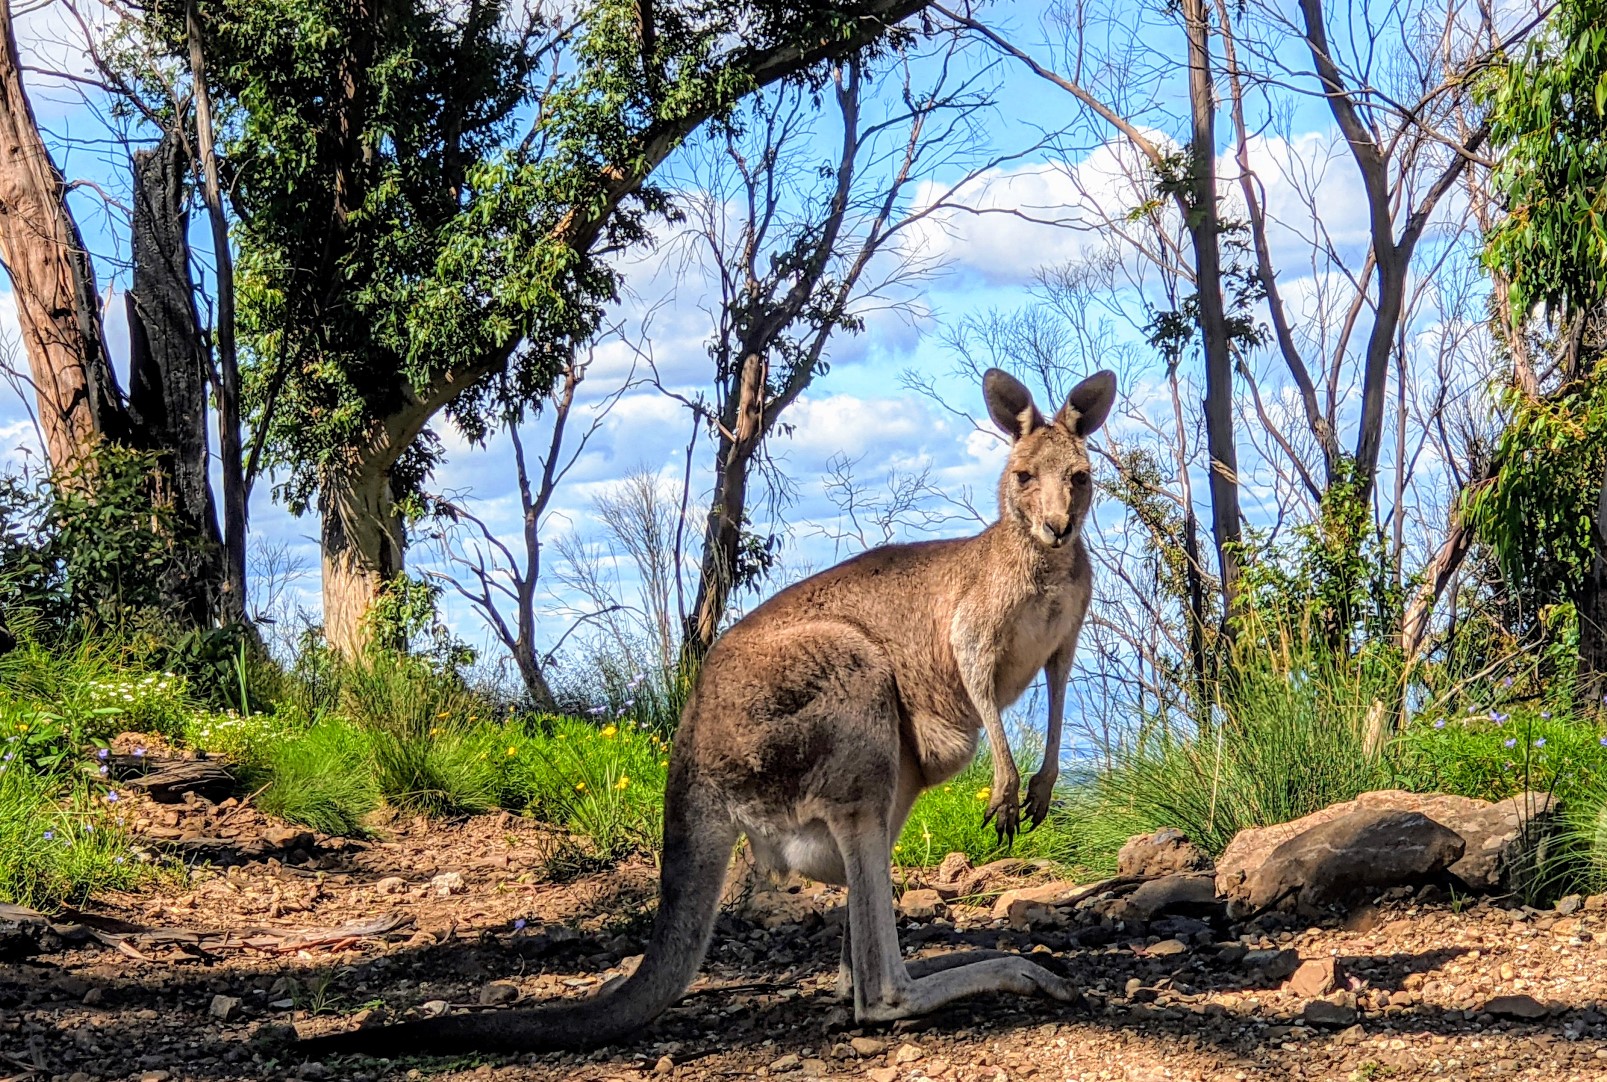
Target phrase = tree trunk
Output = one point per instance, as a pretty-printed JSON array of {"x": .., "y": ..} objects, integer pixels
[
  {"x": 1203, "y": 232},
  {"x": 167, "y": 393},
  {"x": 231, "y": 450},
  {"x": 58, "y": 310},
  {"x": 722, "y": 536},
  {"x": 362, "y": 544}
]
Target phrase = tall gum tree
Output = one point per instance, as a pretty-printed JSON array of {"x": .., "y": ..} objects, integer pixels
[{"x": 426, "y": 197}]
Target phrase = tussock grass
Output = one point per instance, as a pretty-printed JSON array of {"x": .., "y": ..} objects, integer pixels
[{"x": 56, "y": 845}]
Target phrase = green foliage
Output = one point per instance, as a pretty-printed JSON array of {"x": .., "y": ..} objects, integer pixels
[
  {"x": 1539, "y": 514},
  {"x": 57, "y": 843},
  {"x": 1548, "y": 120},
  {"x": 93, "y": 551}
]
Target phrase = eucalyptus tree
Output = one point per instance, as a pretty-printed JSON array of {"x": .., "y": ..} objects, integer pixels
[
  {"x": 1543, "y": 508},
  {"x": 426, "y": 196}
]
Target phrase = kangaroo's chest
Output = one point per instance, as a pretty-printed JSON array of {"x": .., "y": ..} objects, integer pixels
[{"x": 1035, "y": 627}]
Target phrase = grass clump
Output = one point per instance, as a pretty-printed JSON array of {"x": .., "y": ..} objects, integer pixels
[
  {"x": 320, "y": 779},
  {"x": 58, "y": 845},
  {"x": 603, "y": 782}
]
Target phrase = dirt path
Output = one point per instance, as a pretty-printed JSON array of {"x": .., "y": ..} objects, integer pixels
[{"x": 1416, "y": 980}]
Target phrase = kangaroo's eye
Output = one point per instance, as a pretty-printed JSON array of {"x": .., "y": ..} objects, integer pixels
[{"x": 1023, "y": 477}]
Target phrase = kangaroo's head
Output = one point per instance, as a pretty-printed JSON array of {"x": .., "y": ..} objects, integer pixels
[{"x": 1047, "y": 488}]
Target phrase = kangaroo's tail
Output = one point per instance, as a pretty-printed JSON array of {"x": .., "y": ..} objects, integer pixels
[{"x": 698, "y": 837}]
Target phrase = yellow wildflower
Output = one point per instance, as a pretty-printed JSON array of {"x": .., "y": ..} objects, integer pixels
[
  {"x": 624, "y": 780},
  {"x": 609, "y": 731},
  {"x": 580, "y": 787},
  {"x": 982, "y": 794},
  {"x": 512, "y": 751},
  {"x": 443, "y": 714}
]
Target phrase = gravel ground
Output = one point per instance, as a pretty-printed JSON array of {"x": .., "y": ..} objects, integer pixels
[{"x": 1403, "y": 987}]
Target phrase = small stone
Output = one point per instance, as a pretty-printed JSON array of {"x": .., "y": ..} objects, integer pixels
[
  {"x": 955, "y": 867},
  {"x": 391, "y": 884},
  {"x": 1166, "y": 948},
  {"x": 788, "y": 1062},
  {"x": 920, "y": 905},
  {"x": 498, "y": 993},
  {"x": 867, "y": 1046},
  {"x": 79, "y": 1076},
  {"x": 434, "y": 1008},
  {"x": 1523, "y": 1008},
  {"x": 907, "y": 1053},
  {"x": 882, "y": 1074},
  {"x": 155, "y": 1076},
  {"x": 94, "y": 997},
  {"x": 665, "y": 1065},
  {"x": 447, "y": 884},
  {"x": 224, "y": 1008},
  {"x": 1570, "y": 904},
  {"x": 1275, "y": 965},
  {"x": 1320, "y": 1012},
  {"x": 1315, "y": 978},
  {"x": 1596, "y": 903}
]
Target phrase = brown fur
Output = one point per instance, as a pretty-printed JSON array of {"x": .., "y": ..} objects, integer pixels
[{"x": 820, "y": 716}]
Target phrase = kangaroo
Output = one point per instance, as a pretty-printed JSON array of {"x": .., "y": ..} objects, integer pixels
[{"x": 819, "y": 717}]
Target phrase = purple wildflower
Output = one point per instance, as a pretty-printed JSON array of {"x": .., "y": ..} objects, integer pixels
[
  {"x": 1540, "y": 742},
  {"x": 1498, "y": 717},
  {"x": 519, "y": 924},
  {"x": 101, "y": 754},
  {"x": 1510, "y": 742},
  {"x": 597, "y": 711},
  {"x": 50, "y": 835},
  {"x": 1440, "y": 724},
  {"x": 111, "y": 796},
  {"x": 1545, "y": 713},
  {"x": 102, "y": 770},
  {"x": 139, "y": 753},
  {"x": 8, "y": 756}
]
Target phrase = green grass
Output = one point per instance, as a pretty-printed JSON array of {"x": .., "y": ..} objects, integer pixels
[
  {"x": 59, "y": 843},
  {"x": 948, "y": 819},
  {"x": 319, "y": 779}
]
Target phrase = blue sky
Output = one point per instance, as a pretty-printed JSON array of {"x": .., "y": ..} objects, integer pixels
[{"x": 1058, "y": 166}]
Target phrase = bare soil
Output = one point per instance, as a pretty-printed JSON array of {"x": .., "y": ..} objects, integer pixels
[{"x": 1183, "y": 1002}]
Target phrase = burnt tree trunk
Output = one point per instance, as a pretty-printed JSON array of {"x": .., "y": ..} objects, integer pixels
[
  {"x": 58, "y": 311},
  {"x": 167, "y": 377}
]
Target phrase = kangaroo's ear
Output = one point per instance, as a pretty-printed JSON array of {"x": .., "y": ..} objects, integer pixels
[
  {"x": 1089, "y": 403},
  {"x": 1010, "y": 403}
]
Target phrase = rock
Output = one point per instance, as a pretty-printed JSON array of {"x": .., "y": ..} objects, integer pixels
[
  {"x": 1165, "y": 852},
  {"x": 1273, "y": 965},
  {"x": 447, "y": 884},
  {"x": 1322, "y": 1012},
  {"x": 79, "y": 1076},
  {"x": 867, "y": 1046},
  {"x": 1187, "y": 895},
  {"x": 1494, "y": 836},
  {"x": 391, "y": 884},
  {"x": 1570, "y": 904},
  {"x": 94, "y": 997},
  {"x": 882, "y": 1074},
  {"x": 990, "y": 875},
  {"x": 954, "y": 869},
  {"x": 1321, "y": 863},
  {"x": 1596, "y": 903},
  {"x": 155, "y": 1076},
  {"x": 280, "y": 836},
  {"x": 1315, "y": 978},
  {"x": 1166, "y": 948},
  {"x": 908, "y": 1053},
  {"x": 665, "y": 1065},
  {"x": 224, "y": 1008},
  {"x": 1048, "y": 895},
  {"x": 434, "y": 1008},
  {"x": 1523, "y": 1008},
  {"x": 920, "y": 905},
  {"x": 788, "y": 1062},
  {"x": 498, "y": 993}
]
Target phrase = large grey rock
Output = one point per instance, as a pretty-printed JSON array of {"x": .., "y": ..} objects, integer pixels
[
  {"x": 1185, "y": 895},
  {"x": 1362, "y": 848},
  {"x": 1495, "y": 836},
  {"x": 1165, "y": 852}
]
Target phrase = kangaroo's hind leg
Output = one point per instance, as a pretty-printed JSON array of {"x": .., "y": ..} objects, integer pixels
[{"x": 885, "y": 988}]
